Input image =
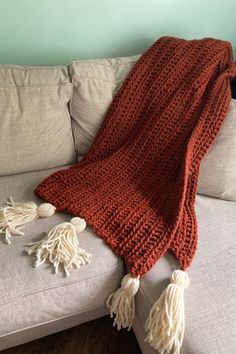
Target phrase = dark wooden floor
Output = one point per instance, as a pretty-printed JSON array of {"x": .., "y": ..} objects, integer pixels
[{"x": 95, "y": 337}]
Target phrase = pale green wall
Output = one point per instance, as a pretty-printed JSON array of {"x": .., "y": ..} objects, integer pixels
[{"x": 48, "y": 32}]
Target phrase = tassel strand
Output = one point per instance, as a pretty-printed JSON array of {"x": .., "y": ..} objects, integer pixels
[
  {"x": 60, "y": 246},
  {"x": 166, "y": 322},
  {"x": 121, "y": 302}
]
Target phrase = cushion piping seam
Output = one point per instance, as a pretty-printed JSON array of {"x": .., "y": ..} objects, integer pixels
[
  {"x": 96, "y": 78},
  {"x": 51, "y": 321},
  {"x": 36, "y": 85},
  {"x": 103, "y": 64},
  {"x": 60, "y": 286}
]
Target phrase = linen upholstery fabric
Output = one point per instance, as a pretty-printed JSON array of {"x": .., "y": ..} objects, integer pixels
[
  {"x": 218, "y": 168},
  {"x": 136, "y": 186},
  {"x": 35, "y": 125},
  {"x": 210, "y": 300},
  {"x": 34, "y": 302},
  {"x": 95, "y": 83}
]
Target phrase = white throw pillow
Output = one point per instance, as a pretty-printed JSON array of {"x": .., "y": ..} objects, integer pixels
[{"x": 96, "y": 83}]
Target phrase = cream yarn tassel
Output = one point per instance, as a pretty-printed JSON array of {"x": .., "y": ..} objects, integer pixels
[
  {"x": 60, "y": 246},
  {"x": 166, "y": 322},
  {"x": 121, "y": 302},
  {"x": 16, "y": 214}
]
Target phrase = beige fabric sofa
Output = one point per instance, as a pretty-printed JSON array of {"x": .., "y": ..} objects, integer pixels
[{"x": 36, "y": 139}]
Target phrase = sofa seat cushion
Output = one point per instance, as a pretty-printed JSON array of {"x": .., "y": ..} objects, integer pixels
[
  {"x": 31, "y": 298},
  {"x": 210, "y": 299},
  {"x": 35, "y": 124}
]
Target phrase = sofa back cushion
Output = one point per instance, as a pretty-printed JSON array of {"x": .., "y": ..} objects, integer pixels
[
  {"x": 218, "y": 168},
  {"x": 35, "y": 125},
  {"x": 95, "y": 83}
]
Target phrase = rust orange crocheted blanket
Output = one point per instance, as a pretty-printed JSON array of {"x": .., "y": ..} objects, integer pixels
[{"x": 136, "y": 186}]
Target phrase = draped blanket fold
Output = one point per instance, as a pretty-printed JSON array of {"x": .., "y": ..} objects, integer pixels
[{"x": 136, "y": 186}]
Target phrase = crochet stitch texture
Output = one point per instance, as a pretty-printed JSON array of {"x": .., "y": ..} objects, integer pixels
[{"x": 136, "y": 186}]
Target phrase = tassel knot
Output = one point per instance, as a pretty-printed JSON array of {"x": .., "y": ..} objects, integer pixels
[
  {"x": 78, "y": 223},
  {"x": 180, "y": 278},
  {"x": 130, "y": 284},
  {"x": 121, "y": 302},
  {"x": 46, "y": 209}
]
